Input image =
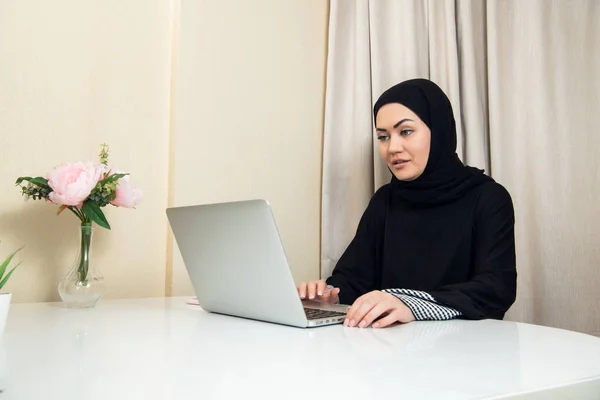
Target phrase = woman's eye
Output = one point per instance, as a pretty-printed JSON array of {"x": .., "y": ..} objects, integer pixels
[
  {"x": 382, "y": 137},
  {"x": 406, "y": 132}
]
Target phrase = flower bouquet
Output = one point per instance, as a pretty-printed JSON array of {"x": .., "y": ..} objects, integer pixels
[{"x": 83, "y": 188}]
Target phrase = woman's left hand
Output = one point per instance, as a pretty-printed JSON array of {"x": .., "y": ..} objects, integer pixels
[{"x": 373, "y": 305}]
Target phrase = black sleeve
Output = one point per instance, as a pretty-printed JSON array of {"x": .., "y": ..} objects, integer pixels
[
  {"x": 355, "y": 271},
  {"x": 492, "y": 289}
]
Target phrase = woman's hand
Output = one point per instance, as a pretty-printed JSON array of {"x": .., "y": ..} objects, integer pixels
[
  {"x": 376, "y": 304},
  {"x": 318, "y": 291}
]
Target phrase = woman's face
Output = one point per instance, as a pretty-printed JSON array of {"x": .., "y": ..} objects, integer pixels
[{"x": 404, "y": 141}]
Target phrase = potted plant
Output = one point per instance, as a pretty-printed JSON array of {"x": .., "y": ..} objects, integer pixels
[{"x": 5, "y": 274}]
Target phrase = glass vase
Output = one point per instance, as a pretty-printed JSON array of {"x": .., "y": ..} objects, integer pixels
[{"x": 83, "y": 286}]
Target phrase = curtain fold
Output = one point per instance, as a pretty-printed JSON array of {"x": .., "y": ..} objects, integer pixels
[{"x": 348, "y": 158}]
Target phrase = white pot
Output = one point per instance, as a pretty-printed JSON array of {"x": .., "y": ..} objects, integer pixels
[
  {"x": 4, "y": 306},
  {"x": 3, "y": 368}
]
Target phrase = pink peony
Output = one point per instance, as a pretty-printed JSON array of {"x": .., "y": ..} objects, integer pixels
[
  {"x": 127, "y": 195},
  {"x": 72, "y": 183}
]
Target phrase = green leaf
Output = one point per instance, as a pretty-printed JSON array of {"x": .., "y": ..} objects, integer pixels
[
  {"x": 7, "y": 261},
  {"x": 43, "y": 182},
  {"x": 112, "y": 178},
  {"x": 93, "y": 211},
  {"x": 3, "y": 281},
  {"x": 21, "y": 179},
  {"x": 38, "y": 181}
]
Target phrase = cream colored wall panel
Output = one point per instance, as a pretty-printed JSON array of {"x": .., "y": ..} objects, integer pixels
[
  {"x": 249, "y": 115},
  {"x": 74, "y": 74}
]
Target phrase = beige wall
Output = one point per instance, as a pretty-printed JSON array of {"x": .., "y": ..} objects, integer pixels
[
  {"x": 74, "y": 74},
  {"x": 244, "y": 120},
  {"x": 249, "y": 115}
]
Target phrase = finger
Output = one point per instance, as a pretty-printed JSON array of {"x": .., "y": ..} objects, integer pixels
[
  {"x": 360, "y": 312},
  {"x": 352, "y": 310},
  {"x": 330, "y": 296},
  {"x": 321, "y": 286},
  {"x": 312, "y": 290},
  {"x": 335, "y": 293},
  {"x": 375, "y": 313},
  {"x": 302, "y": 290},
  {"x": 387, "y": 320},
  {"x": 356, "y": 305}
]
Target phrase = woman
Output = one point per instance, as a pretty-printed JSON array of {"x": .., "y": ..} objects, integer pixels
[{"x": 435, "y": 243}]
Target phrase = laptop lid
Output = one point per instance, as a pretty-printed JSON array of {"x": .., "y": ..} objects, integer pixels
[{"x": 236, "y": 262}]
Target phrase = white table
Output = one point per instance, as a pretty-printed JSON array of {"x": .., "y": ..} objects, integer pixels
[{"x": 164, "y": 349}]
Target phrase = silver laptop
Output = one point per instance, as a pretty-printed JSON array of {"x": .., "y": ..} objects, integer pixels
[{"x": 237, "y": 265}]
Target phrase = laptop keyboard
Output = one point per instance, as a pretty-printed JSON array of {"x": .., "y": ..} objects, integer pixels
[{"x": 313, "y": 313}]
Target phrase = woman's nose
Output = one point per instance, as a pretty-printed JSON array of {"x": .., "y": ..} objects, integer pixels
[{"x": 396, "y": 144}]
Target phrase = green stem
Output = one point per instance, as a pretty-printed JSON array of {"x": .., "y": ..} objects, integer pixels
[
  {"x": 78, "y": 213},
  {"x": 85, "y": 250},
  {"x": 83, "y": 217},
  {"x": 72, "y": 209}
]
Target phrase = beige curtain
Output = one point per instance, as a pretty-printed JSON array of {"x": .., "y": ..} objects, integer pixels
[
  {"x": 544, "y": 96},
  {"x": 522, "y": 77}
]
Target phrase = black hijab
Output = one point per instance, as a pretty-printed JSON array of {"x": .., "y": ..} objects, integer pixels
[{"x": 445, "y": 178}]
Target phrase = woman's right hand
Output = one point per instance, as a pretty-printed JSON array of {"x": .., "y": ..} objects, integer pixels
[{"x": 318, "y": 291}]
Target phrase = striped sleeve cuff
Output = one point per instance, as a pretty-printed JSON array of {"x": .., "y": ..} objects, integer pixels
[{"x": 423, "y": 306}]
